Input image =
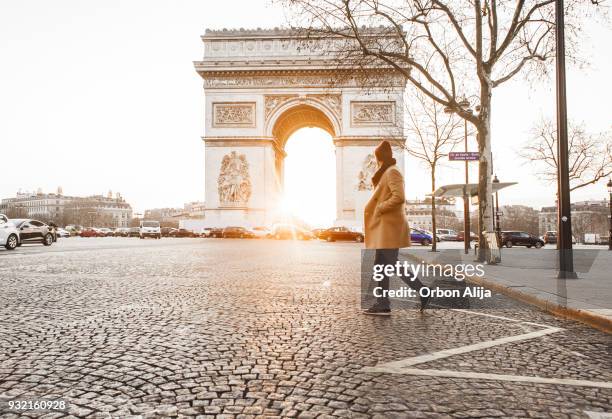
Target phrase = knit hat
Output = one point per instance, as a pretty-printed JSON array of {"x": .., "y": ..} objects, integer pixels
[{"x": 383, "y": 152}]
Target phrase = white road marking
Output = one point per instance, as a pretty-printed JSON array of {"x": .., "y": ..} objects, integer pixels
[
  {"x": 598, "y": 415},
  {"x": 401, "y": 367},
  {"x": 478, "y": 313},
  {"x": 497, "y": 377},
  {"x": 468, "y": 348}
]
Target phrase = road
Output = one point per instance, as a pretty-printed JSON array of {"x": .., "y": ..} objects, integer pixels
[{"x": 244, "y": 328}]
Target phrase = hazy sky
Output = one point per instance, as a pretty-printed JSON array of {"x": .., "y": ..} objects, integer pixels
[{"x": 102, "y": 95}]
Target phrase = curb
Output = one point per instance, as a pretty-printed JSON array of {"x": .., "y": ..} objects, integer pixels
[{"x": 596, "y": 321}]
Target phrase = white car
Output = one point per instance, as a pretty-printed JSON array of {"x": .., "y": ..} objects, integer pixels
[
  {"x": 150, "y": 229},
  {"x": 63, "y": 233},
  {"x": 9, "y": 235}
]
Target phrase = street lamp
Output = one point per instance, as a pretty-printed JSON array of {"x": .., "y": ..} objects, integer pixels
[
  {"x": 465, "y": 105},
  {"x": 609, "y": 185},
  {"x": 564, "y": 230}
]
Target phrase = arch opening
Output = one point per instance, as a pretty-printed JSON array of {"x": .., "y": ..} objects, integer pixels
[
  {"x": 297, "y": 117},
  {"x": 309, "y": 178},
  {"x": 306, "y": 164}
]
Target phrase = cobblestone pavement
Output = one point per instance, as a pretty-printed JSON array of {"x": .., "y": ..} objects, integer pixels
[{"x": 244, "y": 328}]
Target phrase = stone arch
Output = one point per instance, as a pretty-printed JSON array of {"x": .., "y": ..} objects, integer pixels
[
  {"x": 296, "y": 113},
  {"x": 261, "y": 86}
]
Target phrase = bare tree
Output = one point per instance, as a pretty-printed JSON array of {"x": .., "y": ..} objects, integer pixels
[
  {"x": 16, "y": 211},
  {"x": 590, "y": 155},
  {"x": 432, "y": 134},
  {"x": 521, "y": 218},
  {"x": 454, "y": 52}
]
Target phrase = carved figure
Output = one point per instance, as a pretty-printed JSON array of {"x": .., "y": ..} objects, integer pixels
[
  {"x": 234, "y": 183},
  {"x": 366, "y": 173}
]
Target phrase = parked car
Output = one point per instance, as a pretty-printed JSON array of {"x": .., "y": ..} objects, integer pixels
[
  {"x": 105, "y": 232},
  {"x": 260, "y": 232},
  {"x": 89, "y": 232},
  {"x": 183, "y": 232},
  {"x": 9, "y": 234},
  {"x": 150, "y": 228},
  {"x": 446, "y": 234},
  {"x": 317, "y": 232},
  {"x": 121, "y": 232},
  {"x": 550, "y": 237},
  {"x": 237, "y": 233},
  {"x": 213, "y": 232},
  {"x": 74, "y": 229},
  {"x": 134, "y": 232},
  {"x": 339, "y": 234},
  {"x": 62, "y": 232},
  {"x": 520, "y": 238},
  {"x": 165, "y": 231},
  {"x": 473, "y": 236},
  {"x": 290, "y": 231},
  {"x": 34, "y": 231},
  {"x": 420, "y": 236}
]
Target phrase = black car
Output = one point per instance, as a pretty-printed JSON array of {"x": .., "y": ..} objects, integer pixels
[
  {"x": 237, "y": 233},
  {"x": 340, "y": 233},
  {"x": 520, "y": 238},
  {"x": 182, "y": 232},
  {"x": 34, "y": 231}
]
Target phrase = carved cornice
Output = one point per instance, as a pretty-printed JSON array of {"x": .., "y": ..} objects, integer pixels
[
  {"x": 238, "y": 141},
  {"x": 298, "y": 79},
  {"x": 368, "y": 141}
]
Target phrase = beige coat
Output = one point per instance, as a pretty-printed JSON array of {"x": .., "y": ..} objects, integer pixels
[{"x": 385, "y": 221}]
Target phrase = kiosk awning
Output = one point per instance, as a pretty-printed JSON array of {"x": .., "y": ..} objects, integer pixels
[{"x": 457, "y": 189}]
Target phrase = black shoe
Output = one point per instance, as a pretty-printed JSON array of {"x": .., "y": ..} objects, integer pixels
[
  {"x": 424, "y": 303},
  {"x": 377, "y": 311}
]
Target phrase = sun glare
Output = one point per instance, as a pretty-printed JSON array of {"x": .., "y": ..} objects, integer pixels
[{"x": 310, "y": 177}]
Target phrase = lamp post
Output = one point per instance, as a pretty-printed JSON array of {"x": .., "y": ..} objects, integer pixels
[
  {"x": 564, "y": 236},
  {"x": 465, "y": 105},
  {"x": 609, "y": 185}
]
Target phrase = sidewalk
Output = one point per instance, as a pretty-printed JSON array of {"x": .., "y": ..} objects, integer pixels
[{"x": 530, "y": 275}]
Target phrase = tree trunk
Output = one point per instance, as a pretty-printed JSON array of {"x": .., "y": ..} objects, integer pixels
[
  {"x": 434, "y": 247},
  {"x": 485, "y": 189}
]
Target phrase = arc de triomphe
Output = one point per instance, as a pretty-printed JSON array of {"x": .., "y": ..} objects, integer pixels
[{"x": 260, "y": 87}]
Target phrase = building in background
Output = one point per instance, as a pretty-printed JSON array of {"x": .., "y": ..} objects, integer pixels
[
  {"x": 419, "y": 214},
  {"x": 195, "y": 209},
  {"x": 164, "y": 215},
  {"x": 588, "y": 217},
  {"x": 95, "y": 210},
  {"x": 171, "y": 217}
]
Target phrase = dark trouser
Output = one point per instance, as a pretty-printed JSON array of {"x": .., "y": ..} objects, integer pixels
[{"x": 390, "y": 257}]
